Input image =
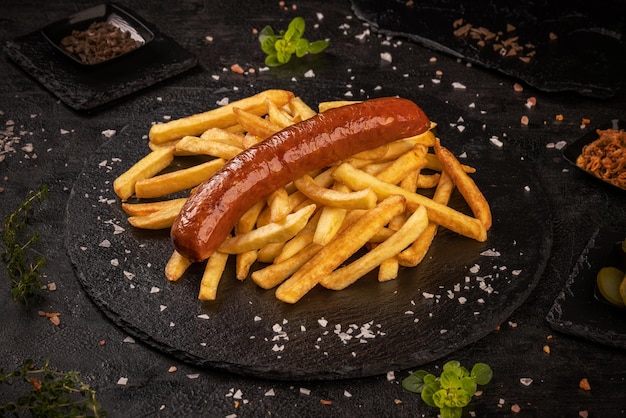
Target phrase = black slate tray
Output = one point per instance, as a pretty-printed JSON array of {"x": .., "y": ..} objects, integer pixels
[
  {"x": 85, "y": 88},
  {"x": 573, "y": 150},
  {"x": 588, "y": 56},
  {"x": 579, "y": 309},
  {"x": 367, "y": 329}
]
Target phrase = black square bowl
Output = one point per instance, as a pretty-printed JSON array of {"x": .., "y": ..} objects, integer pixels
[{"x": 110, "y": 13}]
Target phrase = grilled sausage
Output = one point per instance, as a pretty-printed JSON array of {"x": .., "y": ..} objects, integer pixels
[{"x": 213, "y": 210}]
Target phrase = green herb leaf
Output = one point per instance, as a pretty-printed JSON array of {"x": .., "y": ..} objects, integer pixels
[
  {"x": 50, "y": 393},
  {"x": 415, "y": 381},
  {"x": 23, "y": 272},
  {"x": 452, "y": 390},
  {"x": 280, "y": 47},
  {"x": 481, "y": 373}
]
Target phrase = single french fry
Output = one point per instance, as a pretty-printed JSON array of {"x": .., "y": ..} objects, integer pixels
[
  {"x": 273, "y": 232},
  {"x": 255, "y": 125},
  {"x": 345, "y": 276},
  {"x": 221, "y": 117},
  {"x": 362, "y": 199},
  {"x": 403, "y": 165},
  {"x": 433, "y": 163},
  {"x": 300, "y": 109},
  {"x": 269, "y": 252},
  {"x": 148, "y": 166},
  {"x": 176, "y": 266},
  {"x": 339, "y": 249},
  {"x": 465, "y": 184},
  {"x": 178, "y": 180},
  {"x": 388, "y": 269},
  {"x": 243, "y": 263},
  {"x": 331, "y": 219},
  {"x": 177, "y": 153},
  {"x": 274, "y": 274},
  {"x": 324, "y": 106},
  {"x": 224, "y": 136},
  {"x": 443, "y": 215},
  {"x": 142, "y": 209},
  {"x": 428, "y": 181},
  {"x": 192, "y": 145},
  {"x": 160, "y": 219},
  {"x": 415, "y": 253},
  {"x": 294, "y": 246},
  {"x": 278, "y": 116},
  {"x": 213, "y": 272},
  {"x": 248, "y": 220},
  {"x": 278, "y": 203}
]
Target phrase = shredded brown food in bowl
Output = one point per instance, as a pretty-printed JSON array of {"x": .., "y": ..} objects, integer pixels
[{"x": 606, "y": 157}]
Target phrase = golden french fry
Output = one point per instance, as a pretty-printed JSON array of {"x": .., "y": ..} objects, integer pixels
[
  {"x": 294, "y": 246},
  {"x": 433, "y": 163},
  {"x": 465, "y": 184},
  {"x": 388, "y": 269},
  {"x": 414, "y": 255},
  {"x": 273, "y": 232},
  {"x": 278, "y": 203},
  {"x": 275, "y": 274},
  {"x": 403, "y": 165},
  {"x": 224, "y": 136},
  {"x": 324, "y": 106},
  {"x": 255, "y": 125},
  {"x": 300, "y": 109},
  {"x": 212, "y": 275},
  {"x": 331, "y": 219},
  {"x": 142, "y": 209},
  {"x": 178, "y": 180},
  {"x": 269, "y": 252},
  {"x": 243, "y": 263},
  {"x": 248, "y": 220},
  {"x": 176, "y": 266},
  {"x": 443, "y": 215},
  {"x": 192, "y": 145},
  {"x": 148, "y": 166},
  {"x": 362, "y": 199},
  {"x": 278, "y": 116},
  {"x": 339, "y": 249},
  {"x": 428, "y": 181},
  {"x": 345, "y": 276},
  {"x": 221, "y": 117},
  {"x": 177, "y": 153},
  {"x": 161, "y": 219}
]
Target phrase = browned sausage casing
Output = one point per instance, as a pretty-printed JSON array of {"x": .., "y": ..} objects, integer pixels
[{"x": 212, "y": 211}]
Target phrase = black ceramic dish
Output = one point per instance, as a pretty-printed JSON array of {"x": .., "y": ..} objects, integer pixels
[
  {"x": 461, "y": 292},
  {"x": 572, "y": 151},
  {"x": 579, "y": 309},
  {"x": 89, "y": 87},
  {"x": 110, "y": 13}
]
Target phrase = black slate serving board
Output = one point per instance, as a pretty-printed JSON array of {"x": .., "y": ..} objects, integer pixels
[
  {"x": 89, "y": 87},
  {"x": 455, "y": 297},
  {"x": 579, "y": 309},
  {"x": 588, "y": 55}
]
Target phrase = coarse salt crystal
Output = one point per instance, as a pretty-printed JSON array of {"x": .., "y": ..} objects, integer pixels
[
  {"x": 526, "y": 381},
  {"x": 270, "y": 393},
  {"x": 458, "y": 86},
  {"x": 391, "y": 375},
  {"x": 122, "y": 381},
  {"x": 305, "y": 391},
  {"x": 193, "y": 376},
  {"x": 496, "y": 141},
  {"x": 203, "y": 316},
  {"x": 129, "y": 340}
]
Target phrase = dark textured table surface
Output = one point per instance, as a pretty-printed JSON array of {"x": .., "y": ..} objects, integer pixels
[{"x": 46, "y": 142}]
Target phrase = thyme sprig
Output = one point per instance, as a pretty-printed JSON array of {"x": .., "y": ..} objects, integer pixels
[
  {"x": 24, "y": 272},
  {"x": 51, "y": 393}
]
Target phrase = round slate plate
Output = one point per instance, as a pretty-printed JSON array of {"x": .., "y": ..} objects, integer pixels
[{"x": 460, "y": 293}]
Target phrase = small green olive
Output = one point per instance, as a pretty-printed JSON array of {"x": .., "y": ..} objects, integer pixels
[{"x": 609, "y": 280}]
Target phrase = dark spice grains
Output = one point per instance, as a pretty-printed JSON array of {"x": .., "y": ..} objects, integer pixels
[{"x": 100, "y": 42}]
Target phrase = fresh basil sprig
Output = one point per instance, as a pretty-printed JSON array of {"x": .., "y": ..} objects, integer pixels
[
  {"x": 282, "y": 46},
  {"x": 451, "y": 391}
]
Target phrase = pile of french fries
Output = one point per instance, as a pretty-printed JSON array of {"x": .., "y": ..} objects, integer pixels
[{"x": 303, "y": 234}]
